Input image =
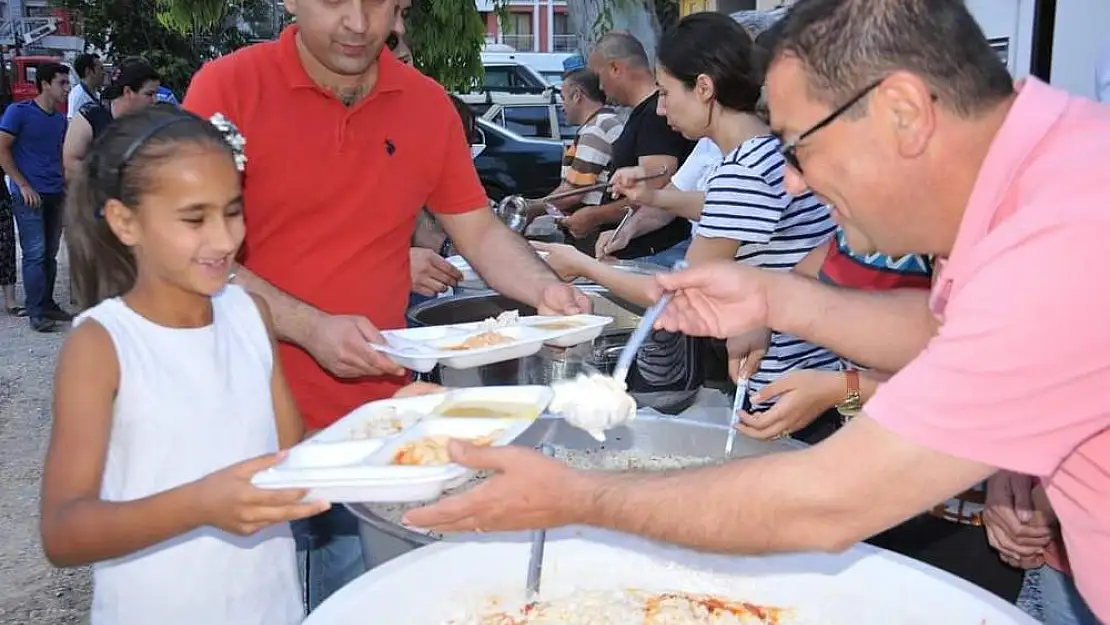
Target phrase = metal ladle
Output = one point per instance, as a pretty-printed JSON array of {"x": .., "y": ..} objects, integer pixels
[{"x": 513, "y": 210}]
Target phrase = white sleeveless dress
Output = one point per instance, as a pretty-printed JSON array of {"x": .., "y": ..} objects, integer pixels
[{"x": 190, "y": 402}]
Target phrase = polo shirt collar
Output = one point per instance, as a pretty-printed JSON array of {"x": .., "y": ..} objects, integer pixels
[
  {"x": 390, "y": 76},
  {"x": 1035, "y": 111}
]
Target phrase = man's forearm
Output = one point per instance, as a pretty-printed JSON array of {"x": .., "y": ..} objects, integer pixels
[
  {"x": 293, "y": 319},
  {"x": 7, "y": 163},
  {"x": 737, "y": 509},
  {"x": 625, "y": 285},
  {"x": 610, "y": 213},
  {"x": 880, "y": 329},
  {"x": 508, "y": 264}
]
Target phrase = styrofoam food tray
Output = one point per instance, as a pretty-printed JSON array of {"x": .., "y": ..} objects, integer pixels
[
  {"x": 342, "y": 465},
  {"x": 421, "y": 349},
  {"x": 864, "y": 585},
  {"x": 587, "y": 328}
]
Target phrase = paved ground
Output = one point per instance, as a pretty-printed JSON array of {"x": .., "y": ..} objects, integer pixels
[{"x": 31, "y": 591}]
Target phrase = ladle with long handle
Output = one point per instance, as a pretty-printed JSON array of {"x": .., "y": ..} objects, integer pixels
[
  {"x": 628, "y": 354},
  {"x": 539, "y": 537}
]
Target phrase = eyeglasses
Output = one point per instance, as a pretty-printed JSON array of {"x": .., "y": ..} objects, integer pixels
[{"x": 790, "y": 148}]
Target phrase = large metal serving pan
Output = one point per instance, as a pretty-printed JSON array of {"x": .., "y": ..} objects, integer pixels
[{"x": 383, "y": 540}]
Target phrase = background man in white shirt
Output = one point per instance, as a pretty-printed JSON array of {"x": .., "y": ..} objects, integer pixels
[{"x": 90, "y": 78}]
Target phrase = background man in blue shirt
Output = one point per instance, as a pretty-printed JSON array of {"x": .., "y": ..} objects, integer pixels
[{"x": 31, "y": 136}]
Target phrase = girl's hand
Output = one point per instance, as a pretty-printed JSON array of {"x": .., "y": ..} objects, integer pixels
[
  {"x": 564, "y": 260},
  {"x": 228, "y": 500},
  {"x": 746, "y": 351},
  {"x": 802, "y": 397}
]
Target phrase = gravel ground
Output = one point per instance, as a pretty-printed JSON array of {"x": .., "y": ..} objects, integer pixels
[{"x": 31, "y": 591}]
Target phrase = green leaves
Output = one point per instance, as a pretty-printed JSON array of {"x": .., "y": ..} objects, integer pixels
[
  {"x": 188, "y": 16},
  {"x": 447, "y": 38}
]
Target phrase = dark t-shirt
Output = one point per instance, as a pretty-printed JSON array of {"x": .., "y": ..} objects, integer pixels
[
  {"x": 646, "y": 134},
  {"x": 98, "y": 115}
]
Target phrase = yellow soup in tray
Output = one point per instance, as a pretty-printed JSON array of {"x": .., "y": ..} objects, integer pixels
[{"x": 479, "y": 409}]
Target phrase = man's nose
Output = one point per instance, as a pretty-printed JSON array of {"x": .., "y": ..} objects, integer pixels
[
  {"x": 357, "y": 18},
  {"x": 794, "y": 182}
]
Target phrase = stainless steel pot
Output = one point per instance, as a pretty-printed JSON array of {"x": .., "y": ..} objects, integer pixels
[{"x": 382, "y": 539}]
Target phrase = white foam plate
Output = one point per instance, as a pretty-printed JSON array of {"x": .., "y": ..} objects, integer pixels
[
  {"x": 421, "y": 349},
  {"x": 862, "y": 586},
  {"x": 341, "y": 464},
  {"x": 586, "y": 328}
]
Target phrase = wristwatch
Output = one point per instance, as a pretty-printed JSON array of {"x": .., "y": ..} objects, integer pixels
[{"x": 852, "y": 403}]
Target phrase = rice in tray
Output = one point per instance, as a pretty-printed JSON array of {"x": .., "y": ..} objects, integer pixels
[
  {"x": 592, "y": 459},
  {"x": 627, "y": 607}
]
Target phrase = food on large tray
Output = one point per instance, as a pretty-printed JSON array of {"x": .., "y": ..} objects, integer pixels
[
  {"x": 481, "y": 409},
  {"x": 590, "y": 460},
  {"x": 432, "y": 450},
  {"x": 488, "y": 338},
  {"x": 625, "y": 607}
]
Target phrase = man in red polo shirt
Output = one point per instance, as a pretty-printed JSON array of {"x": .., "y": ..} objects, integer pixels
[{"x": 345, "y": 144}]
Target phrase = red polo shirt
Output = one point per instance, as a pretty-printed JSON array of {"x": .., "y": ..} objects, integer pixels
[{"x": 332, "y": 193}]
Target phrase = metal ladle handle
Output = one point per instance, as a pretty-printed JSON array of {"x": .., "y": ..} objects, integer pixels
[{"x": 597, "y": 187}]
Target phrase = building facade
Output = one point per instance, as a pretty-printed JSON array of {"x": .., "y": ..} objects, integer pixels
[{"x": 531, "y": 25}]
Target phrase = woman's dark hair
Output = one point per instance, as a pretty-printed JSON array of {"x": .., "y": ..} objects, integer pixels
[
  {"x": 470, "y": 126},
  {"x": 132, "y": 73},
  {"x": 715, "y": 45},
  {"x": 119, "y": 166}
]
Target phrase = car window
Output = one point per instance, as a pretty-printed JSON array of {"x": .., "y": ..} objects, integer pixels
[
  {"x": 480, "y": 109},
  {"x": 498, "y": 76},
  {"x": 528, "y": 121}
]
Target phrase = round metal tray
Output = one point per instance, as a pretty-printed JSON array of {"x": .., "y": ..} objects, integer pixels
[{"x": 383, "y": 540}]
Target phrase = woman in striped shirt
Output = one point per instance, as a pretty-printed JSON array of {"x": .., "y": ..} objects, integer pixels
[{"x": 709, "y": 84}]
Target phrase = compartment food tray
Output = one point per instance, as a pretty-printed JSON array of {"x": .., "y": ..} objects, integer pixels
[{"x": 352, "y": 460}]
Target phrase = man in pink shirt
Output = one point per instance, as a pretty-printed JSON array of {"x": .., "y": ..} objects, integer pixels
[{"x": 900, "y": 114}]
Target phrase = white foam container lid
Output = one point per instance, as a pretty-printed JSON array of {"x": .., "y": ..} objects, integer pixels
[{"x": 342, "y": 465}]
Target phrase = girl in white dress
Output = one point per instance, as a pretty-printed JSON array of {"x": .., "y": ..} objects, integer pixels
[{"x": 168, "y": 396}]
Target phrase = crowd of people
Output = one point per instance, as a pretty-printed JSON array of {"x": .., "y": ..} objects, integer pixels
[{"x": 867, "y": 204}]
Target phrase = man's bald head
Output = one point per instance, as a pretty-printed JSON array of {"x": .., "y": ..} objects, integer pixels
[
  {"x": 623, "y": 47},
  {"x": 622, "y": 66}
]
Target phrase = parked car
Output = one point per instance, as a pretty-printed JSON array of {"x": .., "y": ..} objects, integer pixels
[
  {"x": 536, "y": 121},
  {"x": 511, "y": 164}
]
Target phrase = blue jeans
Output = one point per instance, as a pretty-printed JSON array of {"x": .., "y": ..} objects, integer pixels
[
  {"x": 329, "y": 554},
  {"x": 1060, "y": 600},
  {"x": 40, "y": 234},
  {"x": 668, "y": 257}
]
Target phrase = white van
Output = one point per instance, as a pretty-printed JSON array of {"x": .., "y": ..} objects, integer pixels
[{"x": 549, "y": 65}]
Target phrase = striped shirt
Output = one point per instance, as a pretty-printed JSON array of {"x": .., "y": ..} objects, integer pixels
[
  {"x": 746, "y": 201},
  {"x": 586, "y": 159}
]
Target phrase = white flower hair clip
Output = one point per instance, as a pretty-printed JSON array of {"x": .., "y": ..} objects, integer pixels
[{"x": 234, "y": 138}]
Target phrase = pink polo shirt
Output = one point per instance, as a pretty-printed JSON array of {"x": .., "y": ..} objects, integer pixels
[{"x": 1018, "y": 376}]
